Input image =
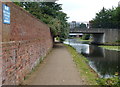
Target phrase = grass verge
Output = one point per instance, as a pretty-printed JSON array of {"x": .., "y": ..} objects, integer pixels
[
  {"x": 117, "y": 48},
  {"x": 82, "y": 64},
  {"x": 79, "y": 39}
]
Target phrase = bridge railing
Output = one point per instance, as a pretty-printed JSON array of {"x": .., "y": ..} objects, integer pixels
[{"x": 88, "y": 30}]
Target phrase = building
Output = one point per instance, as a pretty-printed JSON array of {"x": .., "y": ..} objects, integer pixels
[
  {"x": 119, "y": 4},
  {"x": 74, "y": 24}
]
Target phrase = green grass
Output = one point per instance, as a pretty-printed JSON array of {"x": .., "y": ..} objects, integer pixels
[
  {"x": 79, "y": 39},
  {"x": 84, "y": 40},
  {"x": 110, "y": 82},
  {"x": 82, "y": 64},
  {"x": 117, "y": 48},
  {"x": 112, "y": 43}
]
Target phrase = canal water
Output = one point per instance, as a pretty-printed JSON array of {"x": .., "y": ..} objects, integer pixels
[{"x": 104, "y": 62}]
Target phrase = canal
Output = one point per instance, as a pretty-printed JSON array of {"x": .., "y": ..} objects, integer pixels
[{"x": 104, "y": 62}]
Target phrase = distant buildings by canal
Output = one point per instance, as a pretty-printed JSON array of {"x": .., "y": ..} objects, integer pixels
[{"x": 75, "y": 24}]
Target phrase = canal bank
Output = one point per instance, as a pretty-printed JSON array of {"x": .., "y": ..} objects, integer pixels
[
  {"x": 109, "y": 46},
  {"x": 89, "y": 74},
  {"x": 117, "y": 48},
  {"x": 82, "y": 65},
  {"x": 103, "y": 61}
]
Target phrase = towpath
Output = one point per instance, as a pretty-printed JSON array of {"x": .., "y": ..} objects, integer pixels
[{"x": 58, "y": 68}]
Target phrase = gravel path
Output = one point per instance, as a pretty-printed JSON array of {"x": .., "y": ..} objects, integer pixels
[{"x": 58, "y": 68}]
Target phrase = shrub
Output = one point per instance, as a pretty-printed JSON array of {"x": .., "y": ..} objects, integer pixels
[{"x": 86, "y": 37}]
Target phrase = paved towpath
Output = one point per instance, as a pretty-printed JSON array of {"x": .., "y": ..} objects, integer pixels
[{"x": 58, "y": 68}]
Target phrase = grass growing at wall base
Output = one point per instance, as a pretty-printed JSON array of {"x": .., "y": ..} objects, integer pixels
[{"x": 81, "y": 62}]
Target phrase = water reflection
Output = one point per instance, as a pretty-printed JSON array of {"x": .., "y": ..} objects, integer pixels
[
  {"x": 80, "y": 46},
  {"x": 104, "y": 62}
]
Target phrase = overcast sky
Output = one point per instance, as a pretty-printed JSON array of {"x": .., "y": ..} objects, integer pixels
[{"x": 85, "y": 10}]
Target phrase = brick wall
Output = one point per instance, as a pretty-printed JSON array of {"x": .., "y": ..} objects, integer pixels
[
  {"x": 0, "y": 44},
  {"x": 24, "y": 43}
]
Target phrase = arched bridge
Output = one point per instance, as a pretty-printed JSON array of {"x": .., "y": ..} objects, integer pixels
[{"x": 100, "y": 36}]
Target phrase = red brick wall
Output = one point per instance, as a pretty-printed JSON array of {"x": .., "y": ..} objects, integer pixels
[
  {"x": 24, "y": 43},
  {"x": 0, "y": 43}
]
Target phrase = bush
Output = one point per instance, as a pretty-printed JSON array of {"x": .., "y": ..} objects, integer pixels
[
  {"x": 86, "y": 37},
  {"x": 62, "y": 39},
  {"x": 118, "y": 41}
]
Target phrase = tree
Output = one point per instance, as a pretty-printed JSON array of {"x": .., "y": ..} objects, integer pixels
[
  {"x": 117, "y": 17},
  {"x": 51, "y": 14},
  {"x": 82, "y": 25},
  {"x": 106, "y": 18}
]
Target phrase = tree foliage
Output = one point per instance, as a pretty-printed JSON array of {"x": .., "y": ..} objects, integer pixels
[
  {"x": 107, "y": 18},
  {"x": 82, "y": 25},
  {"x": 51, "y": 14}
]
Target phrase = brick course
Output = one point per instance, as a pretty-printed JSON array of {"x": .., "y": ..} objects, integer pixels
[
  {"x": 0, "y": 44},
  {"x": 24, "y": 43}
]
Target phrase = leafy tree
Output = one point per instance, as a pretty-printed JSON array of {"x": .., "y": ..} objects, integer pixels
[
  {"x": 86, "y": 37},
  {"x": 107, "y": 18},
  {"x": 82, "y": 25},
  {"x": 51, "y": 14},
  {"x": 118, "y": 17}
]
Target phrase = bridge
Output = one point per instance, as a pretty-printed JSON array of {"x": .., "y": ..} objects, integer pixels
[
  {"x": 100, "y": 35},
  {"x": 76, "y": 34}
]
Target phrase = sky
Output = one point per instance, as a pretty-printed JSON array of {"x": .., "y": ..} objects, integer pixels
[{"x": 85, "y": 10}]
